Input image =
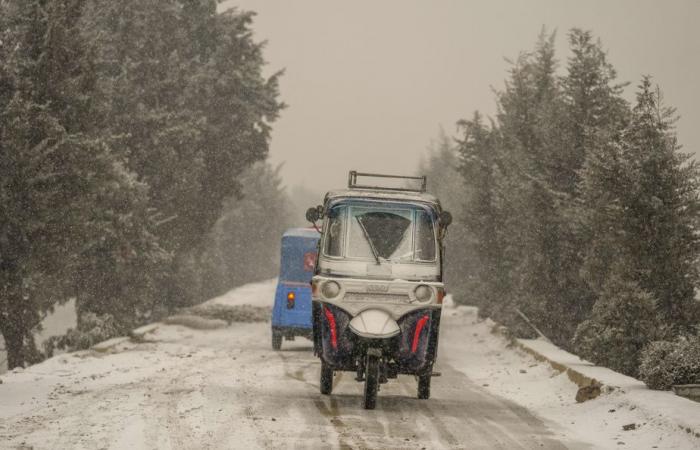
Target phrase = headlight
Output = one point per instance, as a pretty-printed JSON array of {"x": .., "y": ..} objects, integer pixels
[
  {"x": 423, "y": 293},
  {"x": 330, "y": 289}
]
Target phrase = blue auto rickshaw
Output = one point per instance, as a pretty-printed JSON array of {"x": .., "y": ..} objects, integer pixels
[{"x": 291, "y": 315}]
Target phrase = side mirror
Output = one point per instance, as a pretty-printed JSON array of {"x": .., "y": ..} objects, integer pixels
[
  {"x": 445, "y": 219},
  {"x": 312, "y": 214}
]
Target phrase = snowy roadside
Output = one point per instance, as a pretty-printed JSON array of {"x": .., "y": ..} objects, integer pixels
[
  {"x": 249, "y": 303},
  {"x": 261, "y": 295},
  {"x": 629, "y": 415},
  {"x": 677, "y": 410},
  {"x": 133, "y": 392},
  {"x": 178, "y": 387}
]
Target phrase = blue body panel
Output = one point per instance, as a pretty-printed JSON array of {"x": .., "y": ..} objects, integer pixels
[
  {"x": 299, "y": 249},
  {"x": 297, "y": 317}
]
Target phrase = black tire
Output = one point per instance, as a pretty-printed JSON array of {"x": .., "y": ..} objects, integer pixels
[
  {"x": 326, "y": 379},
  {"x": 276, "y": 340},
  {"x": 424, "y": 387},
  {"x": 371, "y": 381}
]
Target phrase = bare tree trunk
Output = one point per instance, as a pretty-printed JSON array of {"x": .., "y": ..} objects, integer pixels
[
  {"x": 13, "y": 334},
  {"x": 17, "y": 320}
]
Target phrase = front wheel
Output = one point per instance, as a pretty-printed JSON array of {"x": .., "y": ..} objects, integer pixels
[
  {"x": 276, "y": 340},
  {"x": 424, "y": 387},
  {"x": 371, "y": 381},
  {"x": 326, "y": 378}
]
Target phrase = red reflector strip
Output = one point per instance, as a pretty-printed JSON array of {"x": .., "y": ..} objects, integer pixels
[
  {"x": 331, "y": 325},
  {"x": 416, "y": 336}
]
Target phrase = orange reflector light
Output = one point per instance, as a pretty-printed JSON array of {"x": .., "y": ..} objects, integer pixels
[
  {"x": 440, "y": 295},
  {"x": 290, "y": 296}
]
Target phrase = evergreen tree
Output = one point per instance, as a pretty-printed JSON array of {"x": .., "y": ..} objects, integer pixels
[
  {"x": 65, "y": 196},
  {"x": 641, "y": 198},
  {"x": 661, "y": 218},
  {"x": 580, "y": 209},
  {"x": 544, "y": 270},
  {"x": 190, "y": 107},
  {"x": 546, "y": 125},
  {"x": 581, "y": 111},
  {"x": 483, "y": 216},
  {"x": 124, "y": 127},
  {"x": 595, "y": 111},
  {"x": 594, "y": 116},
  {"x": 622, "y": 322}
]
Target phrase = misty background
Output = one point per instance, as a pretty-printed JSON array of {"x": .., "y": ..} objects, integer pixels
[{"x": 369, "y": 84}]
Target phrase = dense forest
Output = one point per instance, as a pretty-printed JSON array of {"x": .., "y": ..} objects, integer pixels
[
  {"x": 133, "y": 146},
  {"x": 577, "y": 214}
]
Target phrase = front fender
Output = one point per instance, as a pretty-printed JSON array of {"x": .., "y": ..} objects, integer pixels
[{"x": 374, "y": 324}]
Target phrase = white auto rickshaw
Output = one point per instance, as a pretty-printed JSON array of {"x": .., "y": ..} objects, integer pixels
[{"x": 377, "y": 288}]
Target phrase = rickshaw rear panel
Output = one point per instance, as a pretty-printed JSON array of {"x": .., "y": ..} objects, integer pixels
[{"x": 291, "y": 313}]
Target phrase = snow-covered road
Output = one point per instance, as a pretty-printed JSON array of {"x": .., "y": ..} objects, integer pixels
[{"x": 226, "y": 388}]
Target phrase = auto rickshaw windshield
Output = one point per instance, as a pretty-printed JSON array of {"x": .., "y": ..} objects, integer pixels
[{"x": 383, "y": 232}]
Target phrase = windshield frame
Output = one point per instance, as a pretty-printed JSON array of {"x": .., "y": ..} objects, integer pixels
[{"x": 382, "y": 205}]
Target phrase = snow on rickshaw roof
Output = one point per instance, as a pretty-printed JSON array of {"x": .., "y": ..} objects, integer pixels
[{"x": 381, "y": 194}]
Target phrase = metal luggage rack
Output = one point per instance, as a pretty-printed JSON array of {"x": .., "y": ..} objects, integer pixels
[{"x": 352, "y": 182}]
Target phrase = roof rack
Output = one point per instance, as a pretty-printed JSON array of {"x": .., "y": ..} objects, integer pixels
[{"x": 352, "y": 182}]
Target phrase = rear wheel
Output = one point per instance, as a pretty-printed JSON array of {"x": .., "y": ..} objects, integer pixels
[
  {"x": 371, "y": 381},
  {"x": 424, "y": 387},
  {"x": 326, "y": 378},
  {"x": 276, "y": 340}
]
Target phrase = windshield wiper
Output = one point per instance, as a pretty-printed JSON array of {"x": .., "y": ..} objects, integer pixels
[{"x": 369, "y": 240}]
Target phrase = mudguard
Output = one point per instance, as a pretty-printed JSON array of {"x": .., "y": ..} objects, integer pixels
[{"x": 374, "y": 324}]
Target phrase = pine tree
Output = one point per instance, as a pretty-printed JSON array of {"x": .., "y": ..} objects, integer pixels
[
  {"x": 68, "y": 202},
  {"x": 190, "y": 108},
  {"x": 595, "y": 111},
  {"x": 37, "y": 181},
  {"x": 544, "y": 270},
  {"x": 546, "y": 126},
  {"x": 622, "y": 322},
  {"x": 489, "y": 220},
  {"x": 663, "y": 209},
  {"x": 640, "y": 195},
  {"x": 585, "y": 110},
  {"x": 593, "y": 119}
]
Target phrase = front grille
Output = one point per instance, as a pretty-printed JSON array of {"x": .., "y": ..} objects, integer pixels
[{"x": 370, "y": 297}]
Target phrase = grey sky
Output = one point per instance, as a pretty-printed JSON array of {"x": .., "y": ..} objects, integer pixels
[{"x": 369, "y": 83}]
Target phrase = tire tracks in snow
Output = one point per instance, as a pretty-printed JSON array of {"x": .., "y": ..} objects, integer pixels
[
  {"x": 326, "y": 406},
  {"x": 459, "y": 412}
]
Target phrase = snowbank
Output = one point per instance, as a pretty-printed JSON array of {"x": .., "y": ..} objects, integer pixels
[
  {"x": 255, "y": 294},
  {"x": 536, "y": 375},
  {"x": 676, "y": 410}
]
